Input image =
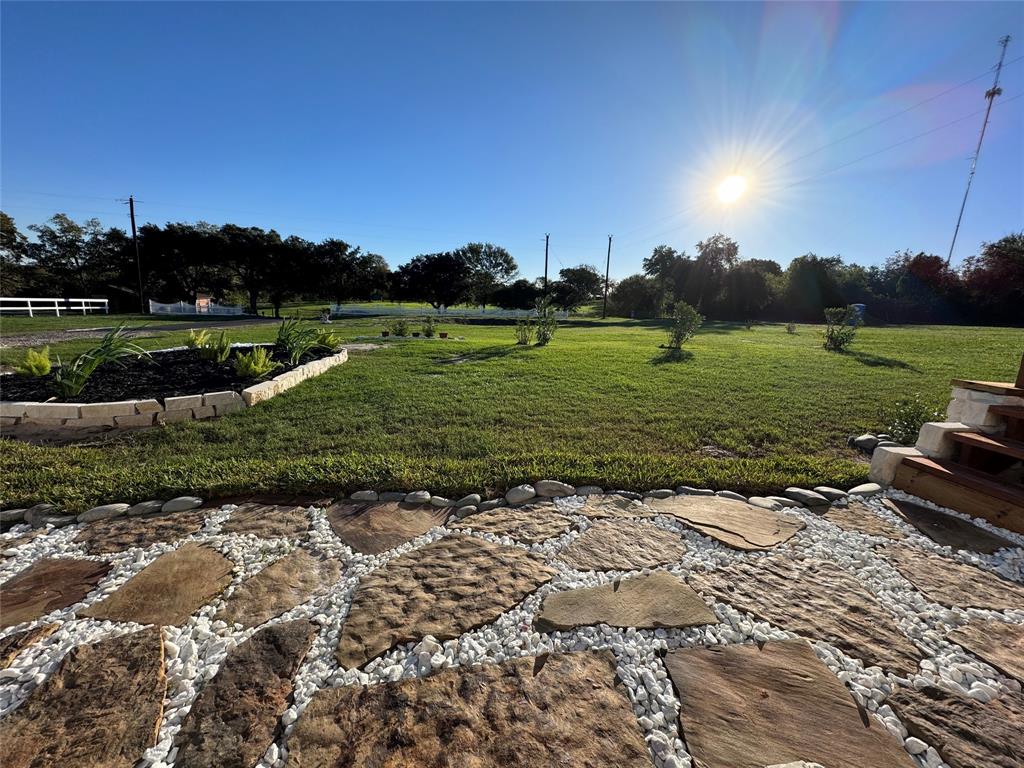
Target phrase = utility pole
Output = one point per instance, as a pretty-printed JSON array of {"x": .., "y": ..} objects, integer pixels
[
  {"x": 990, "y": 94},
  {"x": 546, "y": 238},
  {"x": 135, "y": 242},
  {"x": 607, "y": 269}
]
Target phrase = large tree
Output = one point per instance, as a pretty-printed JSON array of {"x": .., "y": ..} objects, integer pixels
[
  {"x": 635, "y": 296},
  {"x": 715, "y": 256},
  {"x": 576, "y": 286},
  {"x": 522, "y": 294},
  {"x": 13, "y": 253},
  {"x": 490, "y": 266},
  {"x": 440, "y": 279}
]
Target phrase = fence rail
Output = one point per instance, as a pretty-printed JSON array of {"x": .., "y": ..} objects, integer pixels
[
  {"x": 192, "y": 308},
  {"x": 345, "y": 309},
  {"x": 32, "y": 306}
]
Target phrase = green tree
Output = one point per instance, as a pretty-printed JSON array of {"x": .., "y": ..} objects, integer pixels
[{"x": 635, "y": 296}]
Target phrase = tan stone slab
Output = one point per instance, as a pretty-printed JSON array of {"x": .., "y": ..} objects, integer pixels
[
  {"x": 965, "y": 732},
  {"x": 859, "y": 518},
  {"x": 563, "y": 711},
  {"x": 48, "y": 585},
  {"x": 235, "y": 716},
  {"x": 442, "y": 589},
  {"x": 999, "y": 644},
  {"x": 654, "y": 600},
  {"x": 268, "y": 521},
  {"x": 948, "y": 530},
  {"x": 376, "y": 527},
  {"x": 100, "y": 709},
  {"x": 955, "y": 584},
  {"x": 279, "y": 587},
  {"x": 623, "y": 545},
  {"x": 116, "y": 535},
  {"x": 818, "y": 600},
  {"x": 745, "y": 706},
  {"x": 15, "y": 643},
  {"x": 529, "y": 524},
  {"x": 168, "y": 590},
  {"x": 612, "y": 506},
  {"x": 735, "y": 523}
]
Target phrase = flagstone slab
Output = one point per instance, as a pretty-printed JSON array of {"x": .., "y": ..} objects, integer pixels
[
  {"x": 442, "y": 589},
  {"x": 15, "y": 643},
  {"x": 623, "y": 545},
  {"x": 955, "y": 584},
  {"x": 654, "y": 600},
  {"x": 376, "y": 527},
  {"x": 858, "y": 517},
  {"x": 748, "y": 706},
  {"x": 268, "y": 521},
  {"x": 965, "y": 732},
  {"x": 48, "y": 585},
  {"x": 528, "y": 524},
  {"x": 234, "y": 719},
  {"x": 948, "y": 530},
  {"x": 817, "y": 600},
  {"x": 566, "y": 713},
  {"x": 279, "y": 587},
  {"x": 101, "y": 708},
  {"x": 734, "y": 523},
  {"x": 998, "y": 643},
  {"x": 614, "y": 506},
  {"x": 105, "y": 537},
  {"x": 168, "y": 590}
]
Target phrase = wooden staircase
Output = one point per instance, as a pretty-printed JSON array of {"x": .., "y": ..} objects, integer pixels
[{"x": 985, "y": 476}]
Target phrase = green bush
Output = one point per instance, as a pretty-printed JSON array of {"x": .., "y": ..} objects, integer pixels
[
  {"x": 297, "y": 339},
  {"x": 790, "y": 327},
  {"x": 398, "y": 326},
  {"x": 215, "y": 351},
  {"x": 841, "y": 325},
  {"x": 113, "y": 347},
  {"x": 328, "y": 340},
  {"x": 197, "y": 339},
  {"x": 904, "y": 418},
  {"x": 547, "y": 324},
  {"x": 429, "y": 327},
  {"x": 255, "y": 364},
  {"x": 685, "y": 322},
  {"x": 524, "y": 331},
  {"x": 35, "y": 363}
]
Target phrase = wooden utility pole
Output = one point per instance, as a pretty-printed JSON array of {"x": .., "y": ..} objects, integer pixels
[
  {"x": 547, "y": 237},
  {"x": 990, "y": 94},
  {"x": 135, "y": 242},
  {"x": 607, "y": 270}
]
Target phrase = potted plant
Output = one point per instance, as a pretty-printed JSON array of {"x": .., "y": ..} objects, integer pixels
[
  {"x": 385, "y": 333},
  {"x": 443, "y": 334},
  {"x": 415, "y": 334}
]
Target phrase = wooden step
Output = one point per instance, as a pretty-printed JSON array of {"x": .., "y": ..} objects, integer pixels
[
  {"x": 991, "y": 443},
  {"x": 1008, "y": 411},
  {"x": 992, "y": 387}
]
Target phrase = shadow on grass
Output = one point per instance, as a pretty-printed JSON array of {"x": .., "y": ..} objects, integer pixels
[
  {"x": 487, "y": 353},
  {"x": 877, "y": 361},
  {"x": 672, "y": 356}
]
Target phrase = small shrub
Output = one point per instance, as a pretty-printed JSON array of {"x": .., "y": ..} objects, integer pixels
[
  {"x": 197, "y": 339},
  {"x": 685, "y": 322},
  {"x": 429, "y": 327},
  {"x": 524, "y": 331},
  {"x": 296, "y": 339},
  {"x": 113, "y": 347},
  {"x": 399, "y": 326},
  {"x": 841, "y": 325},
  {"x": 328, "y": 340},
  {"x": 35, "y": 363},
  {"x": 215, "y": 351},
  {"x": 547, "y": 324},
  {"x": 904, "y": 418},
  {"x": 790, "y": 327},
  {"x": 255, "y": 364}
]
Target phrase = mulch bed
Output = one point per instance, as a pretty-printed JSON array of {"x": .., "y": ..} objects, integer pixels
[{"x": 169, "y": 374}]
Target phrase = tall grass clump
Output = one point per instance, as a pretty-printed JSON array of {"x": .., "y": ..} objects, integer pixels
[
  {"x": 114, "y": 347},
  {"x": 255, "y": 364},
  {"x": 297, "y": 339}
]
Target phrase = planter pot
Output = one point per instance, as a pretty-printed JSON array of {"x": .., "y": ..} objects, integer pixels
[
  {"x": 443, "y": 335},
  {"x": 415, "y": 334},
  {"x": 385, "y": 334}
]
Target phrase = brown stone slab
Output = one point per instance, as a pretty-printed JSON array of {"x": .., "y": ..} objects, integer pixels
[
  {"x": 268, "y": 521},
  {"x": 603, "y": 507},
  {"x": 654, "y": 600},
  {"x": 623, "y": 545},
  {"x": 745, "y": 706},
  {"x": 955, "y": 584},
  {"x": 107, "y": 536},
  {"x": 965, "y": 732},
  {"x": 100, "y": 709},
  {"x": 48, "y": 585},
  {"x": 379, "y": 526},
  {"x": 948, "y": 530},
  {"x": 168, "y": 590},
  {"x": 529, "y": 524},
  {"x": 15, "y": 643},
  {"x": 734, "y": 523},
  {"x": 279, "y": 587},
  {"x": 234, "y": 719},
  {"x": 818, "y": 600},
  {"x": 565, "y": 711},
  {"x": 442, "y": 589},
  {"x": 999, "y": 644},
  {"x": 860, "y": 518}
]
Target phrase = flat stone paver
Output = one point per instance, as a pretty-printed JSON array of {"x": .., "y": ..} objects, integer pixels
[
  {"x": 734, "y": 523},
  {"x": 234, "y": 718},
  {"x": 529, "y": 524},
  {"x": 105, "y": 537},
  {"x": 567, "y": 713},
  {"x": 654, "y": 600},
  {"x": 442, "y": 589},
  {"x": 279, "y": 587},
  {"x": 858, "y": 517},
  {"x": 744, "y": 706},
  {"x": 376, "y": 527},
  {"x": 168, "y": 590},
  {"x": 48, "y": 585},
  {"x": 623, "y": 545},
  {"x": 268, "y": 521},
  {"x": 996, "y": 642},
  {"x": 100, "y": 708},
  {"x": 818, "y": 600},
  {"x": 16, "y": 642},
  {"x": 948, "y": 530},
  {"x": 955, "y": 584},
  {"x": 966, "y": 733},
  {"x": 602, "y": 507}
]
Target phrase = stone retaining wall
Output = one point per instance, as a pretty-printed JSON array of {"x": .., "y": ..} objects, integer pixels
[{"x": 145, "y": 413}]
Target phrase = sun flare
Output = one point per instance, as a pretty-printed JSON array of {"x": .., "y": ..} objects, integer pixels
[{"x": 731, "y": 188}]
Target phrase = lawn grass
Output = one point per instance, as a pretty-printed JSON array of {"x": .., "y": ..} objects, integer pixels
[
  {"x": 16, "y": 324},
  {"x": 750, "y": 410}
]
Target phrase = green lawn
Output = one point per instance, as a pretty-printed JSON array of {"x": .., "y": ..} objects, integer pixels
[
  {"x": 12, "y": 324},
  {"x": 752, "y": 411}
]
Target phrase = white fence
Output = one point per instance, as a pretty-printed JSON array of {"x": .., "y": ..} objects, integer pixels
[
  {"x": 484, "y": 312},
  {"x": 193, "y": 308},
  {"x": 33, "y": 306}
]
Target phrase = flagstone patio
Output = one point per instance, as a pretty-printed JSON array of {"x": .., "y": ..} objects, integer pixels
[{"x": 588, "y": 631}]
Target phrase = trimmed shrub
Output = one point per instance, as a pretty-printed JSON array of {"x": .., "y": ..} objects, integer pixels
[{"x": 35, "y": 363}]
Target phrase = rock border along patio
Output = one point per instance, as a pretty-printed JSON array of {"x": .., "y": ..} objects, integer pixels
[{"x": 188, "y": 732}]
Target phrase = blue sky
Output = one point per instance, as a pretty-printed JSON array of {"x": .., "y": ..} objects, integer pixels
[{"x": 409, "y": 128}]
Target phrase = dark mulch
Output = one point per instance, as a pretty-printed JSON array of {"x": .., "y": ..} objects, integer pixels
[{"x": 170, "y": 374}]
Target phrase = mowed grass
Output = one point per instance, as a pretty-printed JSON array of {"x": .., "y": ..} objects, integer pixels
[{"x": 749, "y": 410}]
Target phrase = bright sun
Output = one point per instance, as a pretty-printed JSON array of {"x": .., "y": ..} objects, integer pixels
[{"x": 731, "y": 188}]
